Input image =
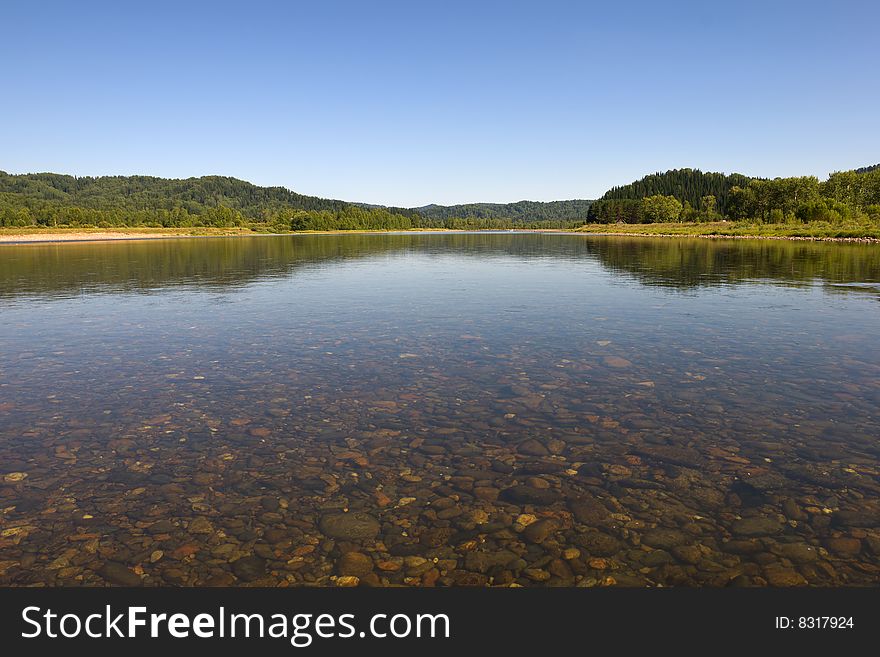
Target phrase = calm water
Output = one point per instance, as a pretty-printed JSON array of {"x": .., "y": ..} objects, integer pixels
[{"x": 447, "y": 409}]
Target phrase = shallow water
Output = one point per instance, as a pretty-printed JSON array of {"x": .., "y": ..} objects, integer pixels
[{"x": 440, "y": 409}]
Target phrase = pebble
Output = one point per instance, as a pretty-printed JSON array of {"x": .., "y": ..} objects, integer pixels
[
  {"x": 119, "y": 574},
  {"x": 690, "y": 554},
  {"x": 354, "y": 526},
  {"x": 588, "y": 511},
  {"x": 537, "y": 574},
  {"x": 484, "y": 561},
  {"x": 355, "y": 563},
  {"x": 249, "y": 569},
  {"x": 843, "y": 546},
  {"x": 856, "y": 518},
  {"x": 759, "y": 526},
  {"x": 664, "y": 538},
  {"x": 598, "y": 543},
  {"x": 529, "y": 495},
  {"x": 784, "y": 577},
  {"x": 200, "y": 525},
  {"x": 526, "y": 519},
  {"x": 538, "y": 532},
  {"x": 161, "y": 527},
  {"x": 479, "y": 517},
  {"x": 797, "y": 552},
  {"x": 792, "y": 510},
  {"x": 532, "y": 448},
  {"x": 486, "y": 493}
]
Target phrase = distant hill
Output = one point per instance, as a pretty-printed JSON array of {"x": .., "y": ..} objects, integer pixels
[
  {"x": 52, "y": 199},
  {"x": 148, "y": 193},
  {"x": 518, "y": 212}
]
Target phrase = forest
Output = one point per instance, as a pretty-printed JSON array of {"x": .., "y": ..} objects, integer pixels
[
  {"x": 689, "y": 195},
  {"x": 521, "y": 211},
  {"x": 680, "y": 195},
  {"x": 54, "y": 200}
]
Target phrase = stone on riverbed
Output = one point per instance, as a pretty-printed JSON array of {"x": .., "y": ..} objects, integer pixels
[
  {"x": 355, "y": 563},
  {"x": 663, "y": 538},
  {"x": 854, "y": 518},
  {"x": 354, "y": 526},
  {"x": 844, "y": 546},
  {"x": 200, "y": 525},
  {"x": 482, "y": 562},
  {"x": 538, "y": 532},
  {"x": 779, "y": 576},
  {"x": 117, "y": 573},
  {"x": 161, "y": 527},
  {"x": 532, "y": 448},
  {"x": 598, "y": 544},
  {"x": 588, "y": 510},
  {"x": 796, "y": 552},
  {"x": 530, "y": 495},
  {"x": 249, "y": 568},
  {"x": 761, "y": 526}
]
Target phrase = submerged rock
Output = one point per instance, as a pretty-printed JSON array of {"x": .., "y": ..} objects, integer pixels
[
  {"x": 249, "y": 569},
  {"x": 538, "y": 532},
  {"x": 843, "y": 546},
  {"x": 532, "y": 448},
  {"x": 761, "y": 526},
  {"x": 530, "y": 495},
  {"x": 353, "y": 526},
  {"x": 355, "y": 563},
  {"x": 119, "y": 574},
  {"x": 588, "y": 510},
  {"x": 663, "y": 538},
  {"x": 598, "y": 544}
]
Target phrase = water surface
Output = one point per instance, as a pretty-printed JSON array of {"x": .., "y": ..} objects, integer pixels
[{"x": 440, "y": 409}]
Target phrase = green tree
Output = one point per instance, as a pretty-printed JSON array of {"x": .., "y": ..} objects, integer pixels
[
  {"x": 659, "y": 208},
  {"x": 709, "y": 207},
  {"x": 222, "y": 217}
]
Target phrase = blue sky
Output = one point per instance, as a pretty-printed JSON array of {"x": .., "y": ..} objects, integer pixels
[{"x": 408, "y": 103}]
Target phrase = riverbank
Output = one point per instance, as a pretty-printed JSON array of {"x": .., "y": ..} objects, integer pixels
[
  {"x": 27, "y": 235},
  {"x": 41, "y": 235},
  {"x": 814, "y": 232}
]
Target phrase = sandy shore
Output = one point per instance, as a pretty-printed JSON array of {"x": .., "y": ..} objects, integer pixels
[
  {"x": 104, "y": 236},
  {"x": 110, "y": 235}
]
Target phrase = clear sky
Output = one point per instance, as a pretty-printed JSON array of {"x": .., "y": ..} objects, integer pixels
[{"x": 407, "y": 103}]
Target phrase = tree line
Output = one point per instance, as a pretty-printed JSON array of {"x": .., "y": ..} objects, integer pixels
[
  {"x": 51, "y": 200},
  {"x": 528, "y": 211},
  {"x": 691, "y": 195}
]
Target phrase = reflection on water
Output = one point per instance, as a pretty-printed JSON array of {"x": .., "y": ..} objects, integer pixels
[{"x": 447, "y": 409}]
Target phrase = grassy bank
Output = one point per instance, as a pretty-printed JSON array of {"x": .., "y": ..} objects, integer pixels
[
  {"x": 813, "y": 230},
  {"x": 718, "y": 229}
]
